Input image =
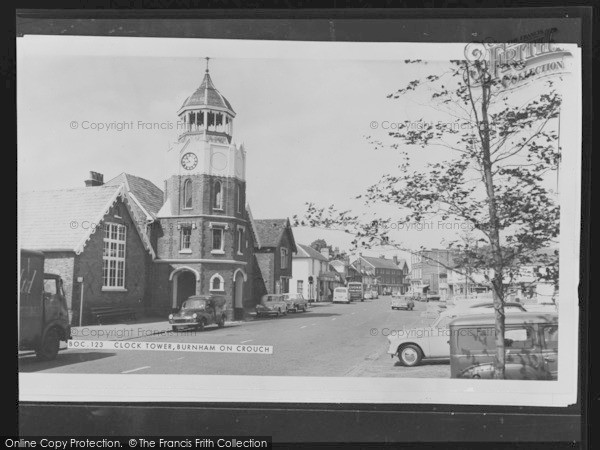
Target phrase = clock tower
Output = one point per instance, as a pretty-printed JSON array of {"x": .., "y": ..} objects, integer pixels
[{"x": 203, "y": 244}]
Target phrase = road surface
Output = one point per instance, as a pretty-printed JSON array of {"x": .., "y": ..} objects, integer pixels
[{"x": 337, "y": 340}]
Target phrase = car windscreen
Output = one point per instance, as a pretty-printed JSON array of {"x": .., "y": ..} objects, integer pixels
[
  {"x": 193, "y": 304},
  {"x": 270, "y": 298}
]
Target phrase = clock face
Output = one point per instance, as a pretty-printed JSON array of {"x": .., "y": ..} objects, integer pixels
[{"x": 189, "y": 161}]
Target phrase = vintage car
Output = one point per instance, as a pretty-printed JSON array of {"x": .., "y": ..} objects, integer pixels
[
  {"x": 295, "y": 302},
  {"x": 272, "y": 305},
  {"x": 432, "y": 342},
  {"x": 374, "y": 293},
  {"x": 402, "y": 302},
  {"x": 530, "y": 342},
  {"x": 198, "y": 311},
  {"x": 368, "y": 295}
]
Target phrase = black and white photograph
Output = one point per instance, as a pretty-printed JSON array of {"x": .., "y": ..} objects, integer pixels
[{"x": 206, "y": 220}]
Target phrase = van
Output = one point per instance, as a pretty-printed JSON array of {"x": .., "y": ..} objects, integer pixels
[
  {"x": 341, "y": 295},
  {"x": 530, "y": 340},
  {"x": 43, "y": 318}
]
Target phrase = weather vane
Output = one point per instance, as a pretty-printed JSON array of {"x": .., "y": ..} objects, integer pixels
[{"x": 207, "y": 64}]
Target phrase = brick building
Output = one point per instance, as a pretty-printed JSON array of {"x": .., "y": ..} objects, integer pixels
[
  {"x": 273, "y": 254},
  {"x": 89, "y": 234},
  {"x": 429, "y": 273},
  {"x": 196, "y": 237}
]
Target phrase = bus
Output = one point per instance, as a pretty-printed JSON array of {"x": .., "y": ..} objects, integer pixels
[{"x": 356, "y": 291}]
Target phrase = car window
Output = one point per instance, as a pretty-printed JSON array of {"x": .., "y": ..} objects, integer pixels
[
  {"x": 192, "y": 304},
  {"x": 476, "y": 339},
  {"x": 518, "y": 338},
  {"x": 50, "y": 287},
  {"x": 550, "y": 334}
]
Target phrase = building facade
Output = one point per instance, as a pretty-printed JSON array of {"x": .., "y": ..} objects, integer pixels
[{"x": 429, "y": 271}]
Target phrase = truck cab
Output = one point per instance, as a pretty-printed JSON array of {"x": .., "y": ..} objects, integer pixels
[{"x": 43, "y": 314}]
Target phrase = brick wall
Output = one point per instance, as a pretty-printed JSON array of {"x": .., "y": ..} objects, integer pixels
[
  {"x": 89, "y": 265},
  {"x": 203, "y": 191}
]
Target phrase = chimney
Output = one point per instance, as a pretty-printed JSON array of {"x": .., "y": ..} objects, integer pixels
[
  {"x": 396, "y": 259},
  {"x": 325, "y": 252},
  {"x": 96, "y": 179}
]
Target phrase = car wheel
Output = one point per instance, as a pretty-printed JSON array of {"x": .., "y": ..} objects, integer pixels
[
  {"x": 279, "y": 312},
  {"x": 201, "y": 325},
  {"x": 175, "y": 329},
  {"x": 49, "y": 346},
  {"x": 410, "y": 355}
]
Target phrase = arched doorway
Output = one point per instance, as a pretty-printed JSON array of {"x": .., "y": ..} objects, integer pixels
[
  {"x": 238, "y": 296},
  {"x": 184, "y": 285}
]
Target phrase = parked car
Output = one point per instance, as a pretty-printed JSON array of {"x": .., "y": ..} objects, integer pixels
[
  {"x": 486, "y": 307},
  {"x": 368, "y": 295},
  {"x": 271, "y": 304},
  {"x": 374, "y": 294},
  {"x": 541, "y": 307},
  {"x": 416, "y": 344},
  {"x": 402, "y": 302},
  {"x": 198, "y": 311},
  {"x": 295, "y": 302},
  {"x": 530, "y": 340},
  {"x": 341, "y": 295},
  {"x": 433, "y": 297}
]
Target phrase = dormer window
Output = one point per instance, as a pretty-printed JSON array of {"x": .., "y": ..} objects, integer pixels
[
  {"x": 218, "y": 196},
  {"x": 187, "y": 194}
]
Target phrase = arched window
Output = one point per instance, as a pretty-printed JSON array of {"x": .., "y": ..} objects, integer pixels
[
  {"x": 218, "y": 196},
  {"x": 187, "y": 193},
  {"x": 216, "y": 283}
]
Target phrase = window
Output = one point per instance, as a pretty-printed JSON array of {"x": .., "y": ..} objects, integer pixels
[
  {"x": 185, "y": 238},
  {"x": 187, "y": 194},
  {"x": 240, "y": 240},
  {"x": 284, "y": 258},
  {"x": 217, "y": 239},
  {"x": 113, "y": 257},
  {"x": 217, "y": 283},
  {"x": 218, "y": 196},
  {"x": 551, "y": 337},
  {"x": 50, "y": 287},
  {"x": 239, "y": 198},
  {"x": 300, "y": 287}
]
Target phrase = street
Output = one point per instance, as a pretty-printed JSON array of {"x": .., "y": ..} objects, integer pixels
[{"x": 338, "y": 340}]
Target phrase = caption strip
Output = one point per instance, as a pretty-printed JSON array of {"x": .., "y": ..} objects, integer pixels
[{"x": 170, "y": 346}]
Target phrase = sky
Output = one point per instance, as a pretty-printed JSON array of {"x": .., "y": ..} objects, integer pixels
[{"x": 303, "y": 116}]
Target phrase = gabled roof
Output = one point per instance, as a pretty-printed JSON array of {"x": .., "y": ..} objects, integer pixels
[
  {"x": 64, "y": 220},
  {"x": 306, "y": 251},
  {"x": 270, "y": 232},
  {"x": 143, "y": 192},
  {"x": 402, "y": 263},
  {"x": 381, "y": 263}
]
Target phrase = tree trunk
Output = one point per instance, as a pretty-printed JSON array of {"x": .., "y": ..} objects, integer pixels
[{"x": 497, "y": 286}]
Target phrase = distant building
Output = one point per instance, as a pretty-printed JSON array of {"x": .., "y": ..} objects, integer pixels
[
  {"x": 429, "y": 273},
  {"x": 273, "y": 250},
  {"x": 313, "y": 277},
  {"x": 382, "y": 274}
]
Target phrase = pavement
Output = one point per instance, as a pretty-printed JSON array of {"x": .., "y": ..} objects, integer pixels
[{"x": 343, "y": 340}]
